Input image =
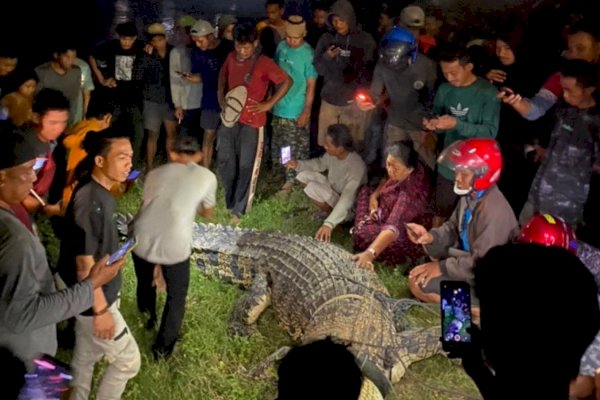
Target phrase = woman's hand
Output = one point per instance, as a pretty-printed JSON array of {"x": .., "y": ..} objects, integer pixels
[{"x": 364, "y": 260}]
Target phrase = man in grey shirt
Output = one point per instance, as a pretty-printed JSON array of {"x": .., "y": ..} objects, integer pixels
[
  {"x": 174, "y": 194},
  {"x": 30, "y": 305},
  {"x": 408, "y": 79}
]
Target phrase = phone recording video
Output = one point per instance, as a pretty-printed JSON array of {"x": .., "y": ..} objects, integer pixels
[
  {"x": 286, "y": 154},
  {"x": 39, "y": 163},
  {"x": 126, "y": 248},
  {"x": 133, "y": 175},
  {"x": 51, "y": 379},
  {"x": 456, "y": 314}
]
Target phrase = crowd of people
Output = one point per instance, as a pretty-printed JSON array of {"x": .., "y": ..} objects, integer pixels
[{"x": 436, "y": 151}]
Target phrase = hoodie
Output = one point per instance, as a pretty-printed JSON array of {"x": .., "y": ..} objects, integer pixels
[{"x": 351, "y": 68}]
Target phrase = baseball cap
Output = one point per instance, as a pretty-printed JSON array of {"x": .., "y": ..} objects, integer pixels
[
  {"x": 186, "y": 21},
  {"x": 202, "y": 28},
  {"x": 295, "y": 26},
  {"x": 225, "y": 20},
  {"x": 412, "y": 17},
  {"x": 156, "y": 29},
  {"x": 15, "y": 148}
]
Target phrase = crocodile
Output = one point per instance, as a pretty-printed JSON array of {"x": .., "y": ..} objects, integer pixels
[{"x": 316, "y": 291}]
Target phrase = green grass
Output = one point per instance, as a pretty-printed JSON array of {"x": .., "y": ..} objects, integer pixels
[{"x": 209, "y": 364}]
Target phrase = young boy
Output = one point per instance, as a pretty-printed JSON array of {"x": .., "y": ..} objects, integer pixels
[
  {"x": 291, "y": 116},
  {"x": 237, "y": 144}
]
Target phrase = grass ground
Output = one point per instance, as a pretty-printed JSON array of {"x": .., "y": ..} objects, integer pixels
[{"x": 209, "y": 364}]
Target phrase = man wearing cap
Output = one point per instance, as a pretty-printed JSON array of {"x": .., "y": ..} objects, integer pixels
[
  {"x": 112, "y": 66},
  {"x": 30, "y": 305},
  {"x": 207, "y": 59},
  {"x": 225, "y": 26},
  {"x": 152, "y": 70},
  {"x": 291, "y": 115},
  {"x": 174, "y": 194},
  {"x": 187, "y": 95},
  {"x": 344, "y": 58}
]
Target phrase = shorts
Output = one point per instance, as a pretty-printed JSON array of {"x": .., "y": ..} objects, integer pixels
[
  {"x": 154, "y": 114},
  {"x": 445, "y": 198},
  {"x": 209, "y": 119}
]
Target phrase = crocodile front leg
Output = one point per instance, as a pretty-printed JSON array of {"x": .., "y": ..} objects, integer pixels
[
  {"x": 412, "y": 346},
  {"x": 250, "y": 306}
]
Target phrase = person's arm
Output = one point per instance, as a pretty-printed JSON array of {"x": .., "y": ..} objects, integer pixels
[
  {"x": 325, "y": 56},
  {"x": 344, "y": 204},
  {"x": 445, "y": 236},
  {"x": 222, "y": 83},
  {"x": 304, "y": 118},
  {"x": 23, "y": 307},
  {"x": 318, "y": 164},
  {"x": 207, "y": 207},
  {"x": 84, "y": 266},
  {"x": 176, "y": 82},
  {"x": 278, "y": 77}
]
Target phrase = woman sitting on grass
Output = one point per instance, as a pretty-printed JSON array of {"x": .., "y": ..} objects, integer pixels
[{"x": 381, "y": 213}]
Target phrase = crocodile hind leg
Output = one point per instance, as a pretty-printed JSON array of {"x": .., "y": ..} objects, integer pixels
[
  {"x": 250, "y": 306},
  {"x": 260, "y": 370},
  {"x": 412, "y": 346}
]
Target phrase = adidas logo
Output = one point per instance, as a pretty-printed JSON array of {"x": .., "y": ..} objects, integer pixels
[{"x": 458, "y": 111}]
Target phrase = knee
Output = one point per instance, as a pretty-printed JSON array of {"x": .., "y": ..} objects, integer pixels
[{"x": 130, "y": 362}]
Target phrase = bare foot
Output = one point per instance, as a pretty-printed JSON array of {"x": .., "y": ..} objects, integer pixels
[{"x": 235, "y": 220}]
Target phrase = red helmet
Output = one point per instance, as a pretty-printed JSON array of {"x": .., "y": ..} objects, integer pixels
[
  {"x": 547, "y": 230},
  {"x": 480, "y": 155}
]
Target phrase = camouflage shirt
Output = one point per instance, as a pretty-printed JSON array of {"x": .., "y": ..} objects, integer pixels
[{"x": 562, "y": 182}]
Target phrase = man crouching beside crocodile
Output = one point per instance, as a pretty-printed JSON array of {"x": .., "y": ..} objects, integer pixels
[{"x": 317, "y": 292}]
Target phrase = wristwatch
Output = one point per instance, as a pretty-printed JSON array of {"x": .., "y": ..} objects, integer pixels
[{"x": 372, "y": 251}]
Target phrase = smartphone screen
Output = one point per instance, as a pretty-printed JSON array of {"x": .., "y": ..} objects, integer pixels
[
  {"x": 456, "y": 313},
  {"x": 123, "y": 250},
  {"x": 39, "y": 163},
  {"x": 286, "y": 154},
  {"x": 51, "y": 379},
  {"x": 133, "y": 175}
]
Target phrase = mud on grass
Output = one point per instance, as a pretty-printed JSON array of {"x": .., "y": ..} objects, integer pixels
[{"x": 209, "y": 364}]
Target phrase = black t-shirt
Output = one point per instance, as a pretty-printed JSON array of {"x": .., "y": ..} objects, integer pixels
[
  {"x": 89, "y": 230},
  {"x": 115, "y": 62}
]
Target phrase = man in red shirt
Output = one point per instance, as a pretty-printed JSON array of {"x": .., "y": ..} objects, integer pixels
[{"x": 237, "y": 144}]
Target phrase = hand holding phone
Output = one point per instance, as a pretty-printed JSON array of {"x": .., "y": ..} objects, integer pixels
[
  {"x": 286, "y": 154},
  {"x": 125, "y": 249},
  {"x": 133, "y": 175},
  {"x": 506, "y": 91},
  {"x": 456, "y": 315}
]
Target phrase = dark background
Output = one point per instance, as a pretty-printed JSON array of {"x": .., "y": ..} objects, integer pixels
[{"x": 32, "y": 26}]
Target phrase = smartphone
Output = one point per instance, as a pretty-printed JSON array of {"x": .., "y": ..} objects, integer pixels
[
  {"x": 123, "y": 251},
  {"x": 286, "y": 154},
  {"x": 133, "y": 175},
  {"x": 39, "y": 163},
  {"x": 456, "y": 314},
  {"x": 51, "y": 379}
]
